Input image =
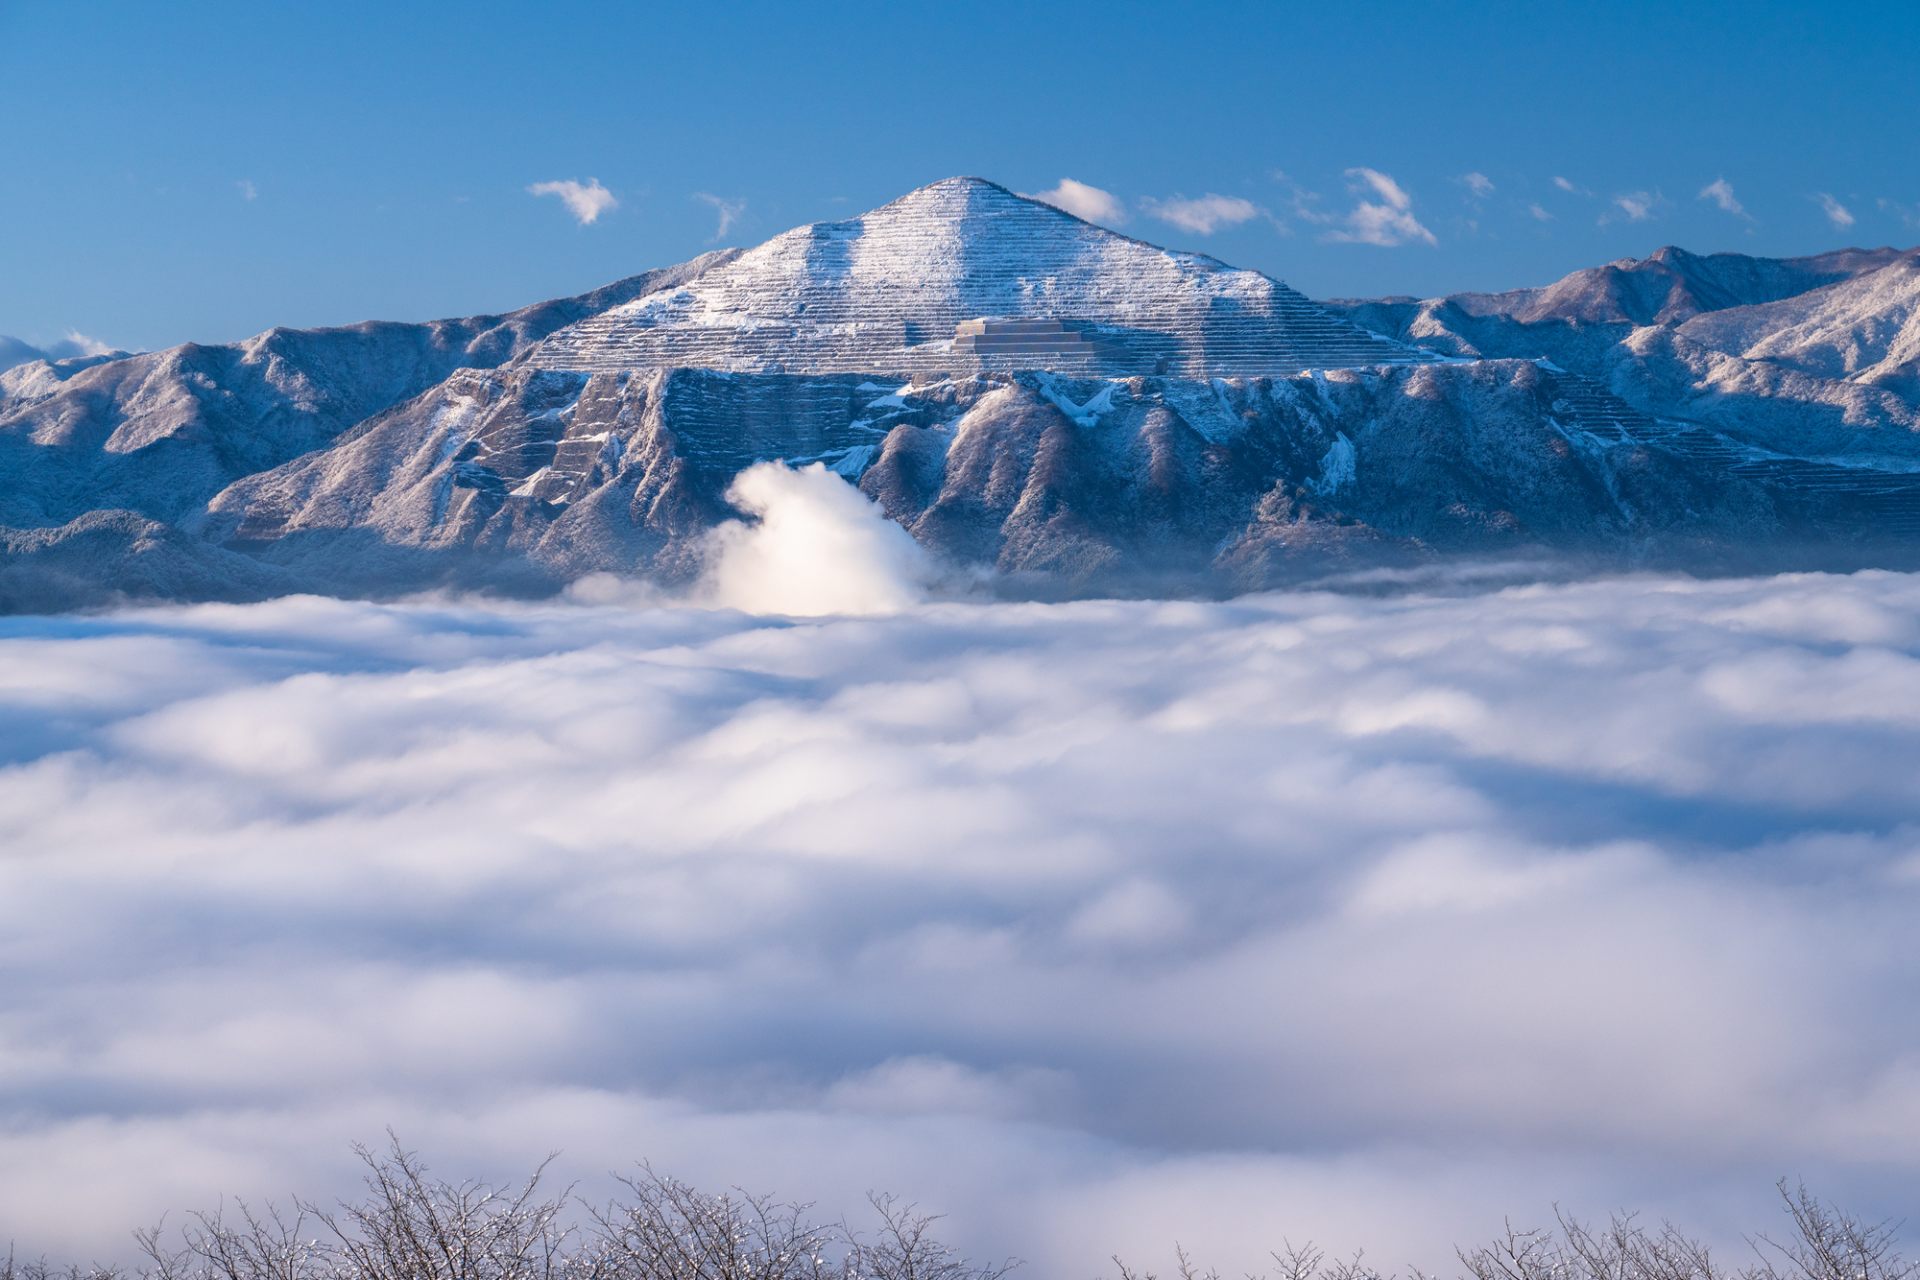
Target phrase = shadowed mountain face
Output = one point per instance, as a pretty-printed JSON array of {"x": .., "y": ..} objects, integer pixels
[
  {"x": 1060, "y": 484},
  {"x": 1027, "y": 393}
]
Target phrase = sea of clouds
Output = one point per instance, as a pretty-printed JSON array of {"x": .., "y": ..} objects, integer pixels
[{"x": 1366, "y": 918}]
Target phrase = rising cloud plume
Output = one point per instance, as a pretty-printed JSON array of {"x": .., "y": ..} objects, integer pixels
[
  {"x": 1085, "y": 201},
  {"x": 586, "y": 202},
  {"x": 811, "y": 545},
  {"x": 1386, "y": 219},
  {"x": 1202, "y": 215},
  {"x": 1595, "y": 893}
]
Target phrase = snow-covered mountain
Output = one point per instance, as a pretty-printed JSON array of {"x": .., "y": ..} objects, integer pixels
[
  {"x": 161, "y": 433},
  {"x": 1073, "y": 408},
  {"x": 1058, "y": 482},
  {"x": 1673, "y": 286},
  {"x": 1863, "y": 329},
  {"x": 964, "y": 276},
  {"x": 1816, "y": 356}
]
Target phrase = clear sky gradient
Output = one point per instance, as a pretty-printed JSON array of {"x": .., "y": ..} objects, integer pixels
[{"x": 203, "y": 171}]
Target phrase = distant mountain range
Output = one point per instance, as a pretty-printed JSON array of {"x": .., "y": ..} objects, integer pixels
[
  {"x": 1075, "y": 409},
  {"x": 75, "y": 351},
  {"x": 1812, "y": 355}
]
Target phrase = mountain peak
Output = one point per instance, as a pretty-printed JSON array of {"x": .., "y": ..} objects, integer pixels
[
  {"x": 968, "y": 184},
  {"x": 969, "y": 191},
  {"x": 888, "y": 291},
  {"x": 982, "y": 212},
  {"x": 961, "y": 201}
]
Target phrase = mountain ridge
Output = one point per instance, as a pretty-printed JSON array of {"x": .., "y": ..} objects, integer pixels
[
  {"x": 1777, "y": 366},
  {"x": 160, "y": 432},
  {"x": 1036, "y": 430}
]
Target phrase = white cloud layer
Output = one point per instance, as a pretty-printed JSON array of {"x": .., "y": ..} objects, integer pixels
[
  {"x": 1202, "y": 215},
  {"x": 1386, "y": 219},
  {"x": 1085, "y": 201},
  {"x": 586, "y": 202},
  {"x": 1838, "y": 214},
  {"x": 1367, "y": 919},
  {"x": 727, "y": 212}
]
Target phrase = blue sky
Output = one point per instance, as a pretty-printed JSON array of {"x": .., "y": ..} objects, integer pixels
[{"x": 201, "y": 172}]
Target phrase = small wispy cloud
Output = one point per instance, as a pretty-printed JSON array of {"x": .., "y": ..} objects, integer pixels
[
  {"x": 1202, "y": 215},
  {"x": 585, "y": 201},
  {"x": 1083, "y": 200},
  {"x": 727, "y": 211},
  {"x": 1569, "y": 186},
  {"x": 1633, "y": 206},
  {"x": 1909, "y": 215},
  {"x": 1720, "y": 191},
  {"x": 1386, "y": 219},
  {"x": 1838, "y": 214},
  {"x": 1302, "y": 203},
  {"x": 1537, "y": 213},
  {"x": 247, "y": 190},
  {"x": 1478, "y": 184}
]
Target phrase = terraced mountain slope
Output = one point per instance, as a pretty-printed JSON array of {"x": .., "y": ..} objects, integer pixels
[{"x": 924, "y": 284}]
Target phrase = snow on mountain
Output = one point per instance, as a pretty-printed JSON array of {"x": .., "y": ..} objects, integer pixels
[
  {"x": 163, "y": 432},
  {"x": 961, "y": 276},
  {"x": 1799, "y": 355},
  {"x": 1865, "y": 328},
  {"x": 68, "y": 355},
  {"x": 1058, "y": 483},
  {"x": 1674, "y": 285}
]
